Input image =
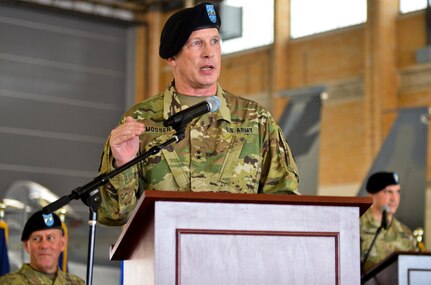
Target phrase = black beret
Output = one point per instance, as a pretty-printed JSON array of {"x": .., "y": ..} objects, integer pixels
[
  {"x": 379, "y": 180},
  {"x": 181, "y": 24},
  {"x": 40, "y": 221}
]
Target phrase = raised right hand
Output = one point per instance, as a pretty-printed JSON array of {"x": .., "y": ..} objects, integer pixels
[{"x": 124, "y": 141}]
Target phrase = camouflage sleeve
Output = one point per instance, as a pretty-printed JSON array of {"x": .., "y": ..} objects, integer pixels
[
  {"x": 12, "y": 279},
  {"x": 119, "y": 195},
  {"x": 278, "y": 163}
]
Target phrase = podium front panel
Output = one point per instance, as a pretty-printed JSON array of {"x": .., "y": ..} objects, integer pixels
[
  {"x": 414, "y": 269},
  {"x": 218, "y": 243},
  {"x": 402, "y": 268}
]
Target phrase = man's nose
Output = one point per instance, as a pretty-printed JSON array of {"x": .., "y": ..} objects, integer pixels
[
  {"x": 44, "y": 243},
  {"x": 208, "y": 50}
]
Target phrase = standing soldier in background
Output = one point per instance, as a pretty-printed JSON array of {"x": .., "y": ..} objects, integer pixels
[
  {"x": 394, "y": 236},
  {"x": 238, "y": 149},
  {"x": 44, "y": 241}
]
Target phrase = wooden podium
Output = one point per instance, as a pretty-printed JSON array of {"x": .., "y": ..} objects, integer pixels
[
  {"x": 207, "y": 238},
  {"x": 401, "y": 268}
]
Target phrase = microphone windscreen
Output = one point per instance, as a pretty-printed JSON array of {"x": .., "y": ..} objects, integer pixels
[
  {"x": 214, "y": 103},
  {"x": 385, "y": 208}
]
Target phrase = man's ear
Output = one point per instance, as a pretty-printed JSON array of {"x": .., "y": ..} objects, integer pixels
[
  {"x": 171, "y": 61},
  {"x": 63, "y": 243},
  {"x": 26, "y": 247}
]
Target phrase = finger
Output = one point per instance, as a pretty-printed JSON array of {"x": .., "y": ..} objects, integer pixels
[
  {"x": 132, "y": 123},
  {"x": 133, "y": 127},
  {"x": 130, "y": 119},
  {"x": 122, "y": 137}
]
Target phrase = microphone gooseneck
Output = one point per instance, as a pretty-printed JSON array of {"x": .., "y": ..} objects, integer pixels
[{"x": 383, "y": 225}]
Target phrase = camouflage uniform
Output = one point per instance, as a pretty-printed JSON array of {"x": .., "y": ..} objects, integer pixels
[
  {"x": 28, "y": 276},
  {"x": 397, "y": 237},
  {"x": 239, "y": 149}
]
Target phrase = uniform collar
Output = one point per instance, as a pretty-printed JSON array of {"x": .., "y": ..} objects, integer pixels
[{"x": 33, "y": 274}]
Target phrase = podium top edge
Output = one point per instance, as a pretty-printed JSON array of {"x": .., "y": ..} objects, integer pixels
[{"x": 220, "y": 197}]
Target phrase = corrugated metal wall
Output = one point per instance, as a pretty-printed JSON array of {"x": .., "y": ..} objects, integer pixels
[{"x": 65, "y": 80}]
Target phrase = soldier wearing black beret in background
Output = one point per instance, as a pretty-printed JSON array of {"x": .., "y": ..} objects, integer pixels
[
  {"x": 384, "y": 188},
  {"x": 44, "y": 240},
  {"x": 237, "y": 149}
]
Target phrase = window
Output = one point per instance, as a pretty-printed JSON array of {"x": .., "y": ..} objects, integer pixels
[
  {"x": 315, "y": 16},
  {"x": 246, "y": 24},
  {"x": 412, "y": 5}
]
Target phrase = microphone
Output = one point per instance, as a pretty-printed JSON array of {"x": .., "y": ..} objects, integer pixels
[
  {"x": 384, "y": 223},
  {"x": 180, "y": 119}
]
